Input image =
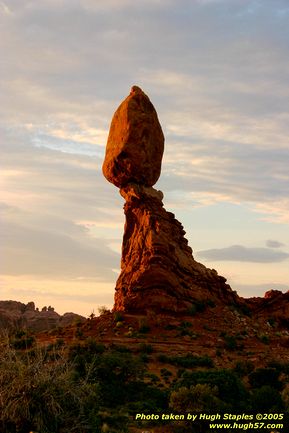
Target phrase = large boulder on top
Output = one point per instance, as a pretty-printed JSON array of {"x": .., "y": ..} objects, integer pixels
[{"x": 135, "y": 143}]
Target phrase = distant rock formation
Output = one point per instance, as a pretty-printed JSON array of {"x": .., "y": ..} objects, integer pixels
[
  {"x": 16, "y": 315},
  {"x": 158, "y": 270},
  {"x": 274, "y": 305}
]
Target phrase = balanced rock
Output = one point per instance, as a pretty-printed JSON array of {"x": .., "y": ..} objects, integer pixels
[
  {"x": 135, "y": 143},
  {"x": 158, "y": 270}
]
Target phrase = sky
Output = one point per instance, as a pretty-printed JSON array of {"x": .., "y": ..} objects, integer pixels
[{"x": 217, "y": 72}]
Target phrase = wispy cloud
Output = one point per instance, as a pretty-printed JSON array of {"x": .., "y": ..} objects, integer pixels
[
  {"x": 241, "y": 253},
  {"x": 217, "y": 73},
  {"x": 270, "y": 243}
]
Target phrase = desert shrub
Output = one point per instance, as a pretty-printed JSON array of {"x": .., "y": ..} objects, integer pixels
[
  {"x": 242, "y": 368},
  {"x": 196, "y": 398},
  {"x": 198, "y": 307},
  {"x": 153, "y": 378},
  {"x": 145, "y": 397},
  {"x": 114, "y": 421},
  {"x": 227, "y": 382},
  {"x": 78, "y": 333},
  {"x": 144, "y": 327},
  {"x": 119, "y": 324},
  {"x": 191, "y": 361},
  {"x": 103, "y": 310},
  {"x": 264, "y": 339},
  {"x": 112, "y": 370},
  {"x": 146, "y": 348},
  {"x": 211, "y": 303},
  {"x": 265, "y": 377},
  {"x": 120, "y": 348},
  {"x": 281, "y": 367},
  {"x": 87, "y": 349},
  {"x": 165, "y": 372},
  {"x": 192, "y": 310},
  {"x": 20, "y": 333},
  {"x": 118, "y": 316},
  {"x": 185, "y": 324},
  {"x": 231, "y": 342},
  {"x": 187, "y": 361},
  {"x": 285, "y": 398},
  {"x": 42, "y": 396},
  {"x": 170, "y": 327},
  {"x": 163, "y": 358},
  {"x": 243, "y": 309},
  {"x": 144, "y": 357},
  {"x": 272, "y": 322},
  {"x": 266, "y": 399},
  {"x": 22, "y": 340}
]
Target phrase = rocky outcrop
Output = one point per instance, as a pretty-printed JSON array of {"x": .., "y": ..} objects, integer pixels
[
  {"x": 158, "y": 270},
  {"x": 16, "y": 315},
  {"x": 274, "y": 305},
  {"x": 135, "y": 143}
]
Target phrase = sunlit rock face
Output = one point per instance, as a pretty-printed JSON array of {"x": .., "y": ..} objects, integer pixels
[
  {"x": 158, "y": 270},
  {"x": 135, "y": 143}
]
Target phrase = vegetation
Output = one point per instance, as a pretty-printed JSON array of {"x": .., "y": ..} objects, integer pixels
[
  {"x": 187, "y": 361},
  {"x": 90, "y": 387}
]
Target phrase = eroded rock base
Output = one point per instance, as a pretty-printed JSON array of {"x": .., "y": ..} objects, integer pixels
[{"x": 158, "y": 270}]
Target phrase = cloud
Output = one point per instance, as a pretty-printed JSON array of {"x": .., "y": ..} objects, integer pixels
[
  {"x": 240, "y": 253},
  {"x": 48, "y": 197},
  {"x": 4, "y": 8},
  {"x": 217, "y": 73},
  {"x": 46, "y": 252},
  {"x": 270, "y": 243}
]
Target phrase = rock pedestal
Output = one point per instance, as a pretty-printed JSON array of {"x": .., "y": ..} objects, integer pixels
[{"x": 158, "y": 271}]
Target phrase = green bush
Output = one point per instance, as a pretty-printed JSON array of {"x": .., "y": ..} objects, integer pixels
[
  {"x": 22, "y": 340},
  {"x": 118, "y": 316},
  {"x": 264, "y": 339},
  {"x": 199, "y": 306},
  {"x": 146, "y": 348},
  {"x": 187, "y": 361},
  {"x": 231, "y": 389},
  {"x": 231, "y": 342},
  {"x": 242, "y": 368},
  {"x": 266, "y": 399},
  {"x": 265, "y": 377},
  {"x": 144, "y": 328},
  {"x": 196, "y": 398}
]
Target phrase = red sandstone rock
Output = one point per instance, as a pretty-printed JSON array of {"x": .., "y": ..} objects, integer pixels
[
  {"x": 135, "y": 143},
  {"x": 15, "y": 315},
  {"x": 274, "y": 305},
  {"x": 158, "y": 270}
]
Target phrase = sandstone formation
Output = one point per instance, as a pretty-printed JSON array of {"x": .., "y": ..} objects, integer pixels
[
  {"x": 16, "y": 315},
  {"x": 158, "y": 271},
  {"x": 135, "y": 143},
  {"x": 274, "y": 306}
]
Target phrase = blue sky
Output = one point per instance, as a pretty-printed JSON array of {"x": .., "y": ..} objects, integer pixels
[{"x": 217, "y": 72}]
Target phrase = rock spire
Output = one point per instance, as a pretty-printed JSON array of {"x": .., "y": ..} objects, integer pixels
[{"x": 158, "y": 271}]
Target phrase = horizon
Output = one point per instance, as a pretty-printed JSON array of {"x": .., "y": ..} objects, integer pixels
[{"x": 217, "y": 75}]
